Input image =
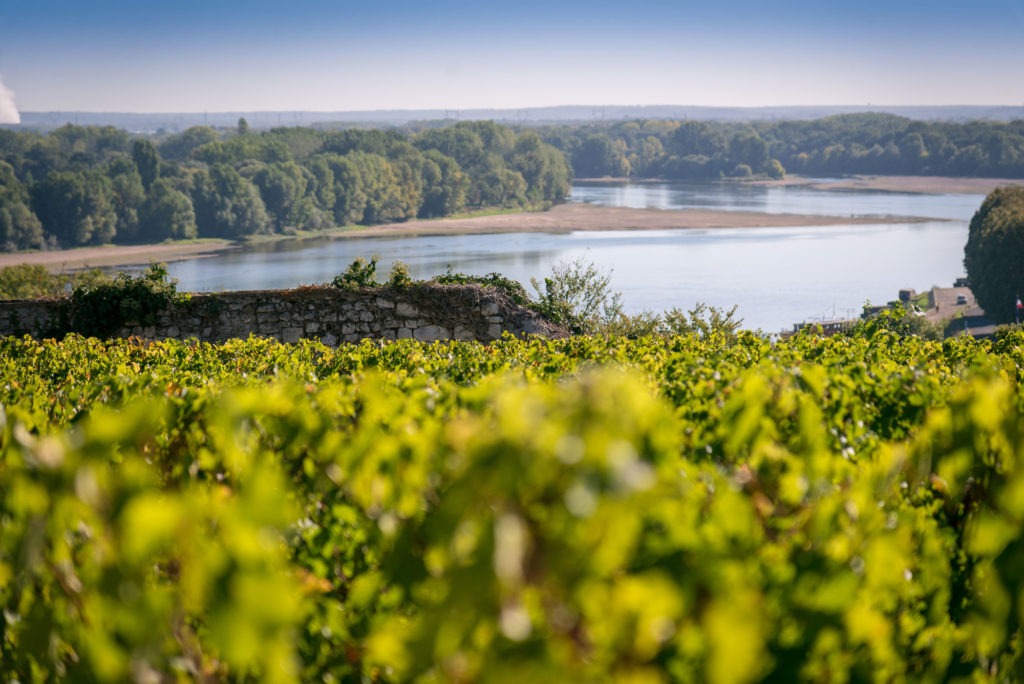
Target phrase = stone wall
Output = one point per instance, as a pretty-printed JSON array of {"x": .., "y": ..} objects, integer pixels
[{"x": 422, "y": 312}]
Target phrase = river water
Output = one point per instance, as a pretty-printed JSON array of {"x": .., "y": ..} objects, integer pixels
[{"x": 776, "y": 276}]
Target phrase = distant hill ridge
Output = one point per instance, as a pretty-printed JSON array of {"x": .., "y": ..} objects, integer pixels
[{"x": 178, "y": 121}]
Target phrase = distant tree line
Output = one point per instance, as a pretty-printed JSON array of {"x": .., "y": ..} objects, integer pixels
[
  {"x": 836, "y": 145},
  {"x": 93, "y": 185},
  {"x": 96, "y": 185}
]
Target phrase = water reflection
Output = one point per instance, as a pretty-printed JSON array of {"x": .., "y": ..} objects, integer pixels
[{"x": 776, "y": 199}]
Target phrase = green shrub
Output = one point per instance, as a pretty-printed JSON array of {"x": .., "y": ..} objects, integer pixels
[
  {"x": 774, "y": 169},
  {"x": 633, "y": 326},
  {"x": 702, "y": 320},
  {"x": 100, "y": 309},
  {"x": 579, "y": 296},
  {"x": 359, "y": 274},
  {"x": 400, "y": 276},
  {"x": 742, "y": 171}
]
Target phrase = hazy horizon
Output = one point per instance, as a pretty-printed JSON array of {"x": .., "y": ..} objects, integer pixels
[
  {"x": 321, "y": 56},
  {"x": 595, "y": 106}
]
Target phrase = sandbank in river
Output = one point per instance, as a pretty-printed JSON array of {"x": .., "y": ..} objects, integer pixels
[{"x": 561, "y": 218}]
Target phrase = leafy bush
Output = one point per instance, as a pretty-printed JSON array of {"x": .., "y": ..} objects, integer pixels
[
  {"x": 704, "y": 321},
  {"x": 742, "y": 171},
  {"x": 400, "y": 276},
  {"x": 579, "y": 296},
  {"x": 633, "y": 326},
  {"x": 359, "y": 274},
  {"x": 102, "y": 308},
  {"x": 774, "y": 169}
]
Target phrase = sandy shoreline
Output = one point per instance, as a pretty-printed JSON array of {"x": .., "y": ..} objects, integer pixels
[
  {"x": 116, "y": 255},
  {"x": 559, "y": 219},
  {"x": 565, "y": 218}
]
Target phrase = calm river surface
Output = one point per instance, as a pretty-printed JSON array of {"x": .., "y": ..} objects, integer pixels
[{"x": 777, "y": 276}]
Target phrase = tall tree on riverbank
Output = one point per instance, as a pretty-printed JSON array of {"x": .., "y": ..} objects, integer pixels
[
  {"x": 282, "y": 187},
  {"x": 167, "y": 214},
  {"x": 147, "y": 160},
  {"x": 76, "y": 207},
  {"x": 19, "y": 226},
  {"x": 228, "y": 205},
  {"x": 445, "y": 186},
  {"x": 994, "y": 255},
  {"x": 599, "y": 156},
  {"x": 127, "y": 193}
]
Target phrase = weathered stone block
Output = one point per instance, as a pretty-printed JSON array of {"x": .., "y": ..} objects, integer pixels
[
  {"x": 289, "y": 335},
  {"x": 429, "y": 333},
  {"x": 463, "y": 333},
  {"x": 490, "y": 309},
  {"x": 406, "y": 310}
]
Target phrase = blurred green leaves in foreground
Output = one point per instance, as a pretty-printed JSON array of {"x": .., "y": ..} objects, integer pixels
[{"x": 592, "y": 509}]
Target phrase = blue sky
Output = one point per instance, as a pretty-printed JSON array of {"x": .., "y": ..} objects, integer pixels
[{"x": 219, "y": 55}]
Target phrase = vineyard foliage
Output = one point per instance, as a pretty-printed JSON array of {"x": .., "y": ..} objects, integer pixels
[{"x": 688, "y": 508}]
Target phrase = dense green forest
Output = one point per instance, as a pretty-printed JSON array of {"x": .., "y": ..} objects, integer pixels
[
  {"x": 83, "y": 185},
  {"x": 836, "y": 145},
  {"x": 95, "y": 185}
]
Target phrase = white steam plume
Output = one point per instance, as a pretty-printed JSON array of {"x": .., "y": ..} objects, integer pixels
[{"x": 8, "y": 110}]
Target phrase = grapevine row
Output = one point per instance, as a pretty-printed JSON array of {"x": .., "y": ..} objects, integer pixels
[{"x": 587, "y": 509}]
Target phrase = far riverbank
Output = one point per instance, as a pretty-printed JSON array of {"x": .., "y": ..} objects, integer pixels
[
  {"x": 928, "y": 185},
  {"x": 562, "y": 218}
]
